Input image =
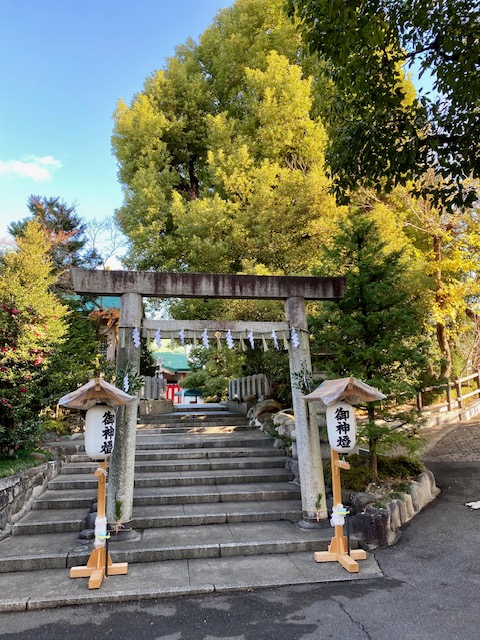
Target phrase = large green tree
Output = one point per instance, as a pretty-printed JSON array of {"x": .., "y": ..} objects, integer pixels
[
  {"x": 221, "y": 156},
  {"x": 32, "y": 328},
  {"x": 380, "y": 137}
]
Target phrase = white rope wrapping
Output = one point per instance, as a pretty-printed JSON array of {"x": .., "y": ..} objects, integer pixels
[
  {"x": 100, "y": 532},
  {"x": 338, "y": 515}
]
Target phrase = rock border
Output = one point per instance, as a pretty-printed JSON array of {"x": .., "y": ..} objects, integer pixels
[{"x": 381, "y": 526}]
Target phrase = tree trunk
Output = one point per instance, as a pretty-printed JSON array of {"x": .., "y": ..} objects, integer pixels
[
  {"x": 373, "y": 459},
  {"x": 446, "y": 370},
  {"x": 372, "y": 442},
  {"x": 193, "y": 188},
  {"x": 442, "y": 337}
]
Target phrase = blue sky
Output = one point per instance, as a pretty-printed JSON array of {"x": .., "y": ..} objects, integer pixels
[{"x": 63, "y": 66}]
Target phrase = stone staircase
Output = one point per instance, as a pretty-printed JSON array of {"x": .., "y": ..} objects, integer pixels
[{"x": 206, "y": 486}]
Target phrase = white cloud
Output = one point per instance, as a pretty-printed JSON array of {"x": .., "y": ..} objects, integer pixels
[{"x": 38, "y": 169}]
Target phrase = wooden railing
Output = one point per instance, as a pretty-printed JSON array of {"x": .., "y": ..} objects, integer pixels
[
  {"x": 242, "y": 388},
  {"x": 452, "y": 388}
]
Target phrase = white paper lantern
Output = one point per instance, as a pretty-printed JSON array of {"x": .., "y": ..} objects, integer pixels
[
  {"x": 99, "y": 431},
  {"x": 341, "y": 427}
]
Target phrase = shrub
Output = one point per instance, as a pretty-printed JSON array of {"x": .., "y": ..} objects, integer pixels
[{"x": 360, "y": 475}]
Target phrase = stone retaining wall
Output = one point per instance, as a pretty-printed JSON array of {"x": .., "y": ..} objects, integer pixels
[
  {"x": 154, "y": 407},
  {"x": 18, "y": 492}
]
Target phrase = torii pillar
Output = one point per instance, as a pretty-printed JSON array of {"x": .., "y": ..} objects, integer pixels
[
  {"x": 122, "y": 461},
  {"x": 309, "y": 452}
]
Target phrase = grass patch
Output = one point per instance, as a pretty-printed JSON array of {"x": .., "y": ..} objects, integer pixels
[
  {"x": 392, "y": 471},
  {"x": 11, "y": 466}
]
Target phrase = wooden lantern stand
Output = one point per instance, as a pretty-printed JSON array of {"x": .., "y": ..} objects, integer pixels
[
  {"x": 99, "y": 564},
  {"x": 338, "y": 548}
]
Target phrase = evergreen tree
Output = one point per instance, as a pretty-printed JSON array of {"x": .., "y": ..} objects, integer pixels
[
  {"x": 376, "y": 331},
  {"x": 32, "y": 326},
  {"x": 65, "y": 231},
  {"x": 211, "y": 369}
]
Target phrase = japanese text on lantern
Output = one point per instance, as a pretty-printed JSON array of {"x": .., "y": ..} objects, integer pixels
[
  {"x": 341, "y": 426},
  {"x": 108, "y": 432}
]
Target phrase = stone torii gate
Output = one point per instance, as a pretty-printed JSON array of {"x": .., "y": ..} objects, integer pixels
[{"x": 133, "y": 286}]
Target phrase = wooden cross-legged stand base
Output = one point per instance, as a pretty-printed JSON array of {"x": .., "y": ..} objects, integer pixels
[
  {"x": 338, "y": 548},
  {"x": 98, "y": 566},
  {"x": 99, "y": 563}
]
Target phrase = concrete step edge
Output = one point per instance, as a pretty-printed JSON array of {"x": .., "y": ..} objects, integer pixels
[
  {"x": 155, "y": 553},
  {"x": 159, "y": 521},
  {"x": 214, "y": 464},
  {"x": 185, "y": 497}
]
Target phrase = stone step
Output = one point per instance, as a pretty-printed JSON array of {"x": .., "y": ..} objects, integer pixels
[
  {"x": 236, "y": 440},
  {"x": 196, "y": 454},
  {"x": 202, "y": 407},
  {"x": 148, "y": 441},
  {"x": 75, "y": 499},
  {"x": 155, "y": 517},
  {"x": 220, "y": 452},
  {"x": 55, "y": 521},
  {"x": 179, "y": 411},
  {"x": 159, "y": 516},
  {"x": 208, "y": 429},
  {"x": 159, "y": 466},
  {"x": 63, "y": 550},
  {"x": 191, "y": 420},
  {"x": 66, "y": 499},
  {"x": 217, "y": 493},
  {"x": 183, "y": 478}
]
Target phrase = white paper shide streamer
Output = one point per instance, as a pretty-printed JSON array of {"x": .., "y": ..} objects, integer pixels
[
  {"x": 229, "y": 339},
  {"x": 158, "y": 338},
  {"x": 181, "y": 335},
  {"x": 205, "y": 341},
  {"x": 294, "y": 338},
  {"x": 251, "y": 339},
  {"x": 136, "y": 337},
  {"x": 275, "y": 340},
  {"x": 337, "y": 518},
  {"x": 100, "y": 532}
]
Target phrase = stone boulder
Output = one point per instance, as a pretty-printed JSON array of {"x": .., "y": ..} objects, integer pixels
[
  {"x": 284, "y": 424},
  {"x": 360, "y": 500},
  {"x": 262, "y": 412}
]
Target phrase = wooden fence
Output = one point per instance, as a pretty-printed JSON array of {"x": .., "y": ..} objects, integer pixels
[{"x": 452, "y": 388}]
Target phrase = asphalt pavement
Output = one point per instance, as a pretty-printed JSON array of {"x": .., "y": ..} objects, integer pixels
[{"x": 430, "y": 589}]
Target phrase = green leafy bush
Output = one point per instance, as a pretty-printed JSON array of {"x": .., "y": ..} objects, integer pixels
[
  {"x": 390, "y": 470},
  {"x": 11, "y": 466}
]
